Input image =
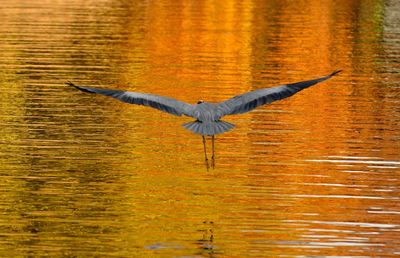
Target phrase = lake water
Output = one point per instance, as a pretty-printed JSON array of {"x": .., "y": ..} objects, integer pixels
[{"x": 315, "y": 175}]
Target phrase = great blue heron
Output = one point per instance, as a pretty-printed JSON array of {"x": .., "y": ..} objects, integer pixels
[{"x": 208, "y": 115}]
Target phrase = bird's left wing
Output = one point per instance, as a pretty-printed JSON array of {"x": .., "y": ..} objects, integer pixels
[
  {"x": 165, "y": 104},
  {"x": 250, "y": 100}
]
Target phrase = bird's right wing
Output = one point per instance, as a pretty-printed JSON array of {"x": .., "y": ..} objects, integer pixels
[
  {"x": 165, "y": 104},
  {"x": 250, "y": 100}
]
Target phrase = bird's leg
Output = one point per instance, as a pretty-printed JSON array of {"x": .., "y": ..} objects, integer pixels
[
  {"x": 205, "y": 152},
  {"x": 213, "y": 155}
]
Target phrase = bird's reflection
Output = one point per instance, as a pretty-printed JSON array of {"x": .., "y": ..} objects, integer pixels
[{"x": 206, "y": 243}]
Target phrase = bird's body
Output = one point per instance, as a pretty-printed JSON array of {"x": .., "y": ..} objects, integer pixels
[
  {"x": 205, "y": 112},
  {"x": 208, "y": 120},
  {"x": 208, "y": 115}
]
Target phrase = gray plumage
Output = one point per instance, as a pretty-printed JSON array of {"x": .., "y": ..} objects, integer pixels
[{"x": 208, "y": 115}]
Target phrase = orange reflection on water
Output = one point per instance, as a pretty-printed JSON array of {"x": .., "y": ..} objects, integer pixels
[{"x": 198, "y": 47}]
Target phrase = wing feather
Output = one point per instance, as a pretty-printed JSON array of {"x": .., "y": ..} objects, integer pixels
[
  {"x": 248, "y": 101},
  {"x": 164, "y": 104}
]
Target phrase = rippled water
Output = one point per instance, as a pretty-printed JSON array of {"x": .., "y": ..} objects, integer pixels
[{"x": 316, "y": 175}]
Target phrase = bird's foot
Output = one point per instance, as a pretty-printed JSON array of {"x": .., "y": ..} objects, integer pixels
[{"x": 207, "y": 165}]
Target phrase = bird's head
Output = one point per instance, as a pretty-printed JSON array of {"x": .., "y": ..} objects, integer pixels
[{"x": 200, "y": 101}]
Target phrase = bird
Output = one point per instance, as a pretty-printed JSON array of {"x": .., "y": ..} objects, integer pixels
[{"x": 208, "y": 115}]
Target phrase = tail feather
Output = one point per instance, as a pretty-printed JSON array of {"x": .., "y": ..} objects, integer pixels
[{"x": 208, "y": 128}]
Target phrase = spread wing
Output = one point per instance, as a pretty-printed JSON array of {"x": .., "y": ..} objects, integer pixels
[
  {"x": 250, "y": 100},
  {"x": 165, "y": 104}
]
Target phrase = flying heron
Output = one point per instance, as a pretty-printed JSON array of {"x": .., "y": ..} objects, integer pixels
[{"x": 208, "y": 115}]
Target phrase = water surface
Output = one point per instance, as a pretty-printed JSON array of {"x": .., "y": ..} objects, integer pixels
[{"x": 315, "y": 175}]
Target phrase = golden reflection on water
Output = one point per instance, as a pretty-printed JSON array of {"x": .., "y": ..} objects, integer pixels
[{"x": 314, "y": 175}]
